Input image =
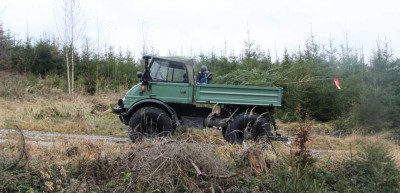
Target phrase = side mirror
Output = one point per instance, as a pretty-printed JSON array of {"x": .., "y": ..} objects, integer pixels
[
  {"x": 144, "y": 79},
  {"x": 139, "y": 75},
  {"x": 146, "y": 57}
]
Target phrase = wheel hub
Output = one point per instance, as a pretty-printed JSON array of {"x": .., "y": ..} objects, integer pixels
[{"x": 150, "y": 127}]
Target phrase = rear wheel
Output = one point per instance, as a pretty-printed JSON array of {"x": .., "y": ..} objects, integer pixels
[
  {"x": 247, "y": 126},
  {"x": 149, "y": 122}
]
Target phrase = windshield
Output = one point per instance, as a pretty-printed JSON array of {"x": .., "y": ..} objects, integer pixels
[{"x": 168, "y": 71}]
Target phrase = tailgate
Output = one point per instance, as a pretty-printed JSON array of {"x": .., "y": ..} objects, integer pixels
[{"x": 241, "y": 95}]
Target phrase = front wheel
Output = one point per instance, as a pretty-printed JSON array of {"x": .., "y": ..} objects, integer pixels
[
  {"x": 149, "y": 122},
  {"x": 247, "y": 126}
]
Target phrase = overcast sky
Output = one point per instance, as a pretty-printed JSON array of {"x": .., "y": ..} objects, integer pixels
[{"x": 204, "y": 25}]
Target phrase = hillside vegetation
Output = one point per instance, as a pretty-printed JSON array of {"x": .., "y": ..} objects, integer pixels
[{"x": 369, "y": 100}]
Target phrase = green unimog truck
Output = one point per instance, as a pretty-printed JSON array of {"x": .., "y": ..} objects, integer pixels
[{"x": 168, "y": 97}]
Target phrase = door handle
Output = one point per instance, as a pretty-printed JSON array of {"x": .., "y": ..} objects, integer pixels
[{"x": 183, "y": 92}]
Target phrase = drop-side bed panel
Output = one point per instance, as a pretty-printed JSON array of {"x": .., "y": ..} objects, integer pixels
[{"x": 241, "y": 95}]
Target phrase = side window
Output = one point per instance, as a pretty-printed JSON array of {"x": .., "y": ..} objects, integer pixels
[
  {"x": 178, "y": 73},
  {"x": 165, "y": 71}
]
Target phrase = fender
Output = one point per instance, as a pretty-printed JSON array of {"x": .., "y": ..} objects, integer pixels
[{"x": 151, "y": 102}]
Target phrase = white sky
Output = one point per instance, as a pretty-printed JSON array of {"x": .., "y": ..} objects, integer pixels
[{"x": 204, "y": 25}]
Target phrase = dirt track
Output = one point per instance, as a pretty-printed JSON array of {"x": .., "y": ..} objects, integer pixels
[{"x": 51, "y": 138}]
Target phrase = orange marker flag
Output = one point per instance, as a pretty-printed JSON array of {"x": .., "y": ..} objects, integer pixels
[{"x": 337, "y": 83}]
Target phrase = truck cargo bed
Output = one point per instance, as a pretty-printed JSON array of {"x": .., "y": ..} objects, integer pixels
[{"x": 241, "y": 95}]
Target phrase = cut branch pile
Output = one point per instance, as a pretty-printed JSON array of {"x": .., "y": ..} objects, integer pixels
[{"x": 177, "y": 166}]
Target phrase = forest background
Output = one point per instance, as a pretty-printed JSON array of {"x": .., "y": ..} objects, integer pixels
[{"x": 369, "y": 99}]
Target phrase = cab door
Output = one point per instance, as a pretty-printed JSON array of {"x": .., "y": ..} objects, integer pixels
[{"x": 169, "y": 82}]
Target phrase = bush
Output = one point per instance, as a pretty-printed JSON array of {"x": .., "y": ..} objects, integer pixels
[
  {"x": 373, "y": 170},
  {"x": 287, "y": 178},
  {"x": 344, "y": 124}
]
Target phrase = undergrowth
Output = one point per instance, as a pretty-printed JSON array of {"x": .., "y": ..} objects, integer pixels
[{"x": 196, "y": 162}]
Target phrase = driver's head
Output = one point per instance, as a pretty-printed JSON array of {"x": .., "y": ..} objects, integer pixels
[{"x": 203, "y": 69}]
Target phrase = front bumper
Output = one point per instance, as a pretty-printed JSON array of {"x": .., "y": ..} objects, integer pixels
[
  {"x": 118, "y": 110},
  {"x": 121, "y": 112}
]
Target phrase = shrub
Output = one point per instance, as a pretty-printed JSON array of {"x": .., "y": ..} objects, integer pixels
[
  {"x": 373, "y": 170},
  {"x": 285, "y": 178}
]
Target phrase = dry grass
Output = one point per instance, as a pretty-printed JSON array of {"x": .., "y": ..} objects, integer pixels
[
  {"x": 80, "y": 165},
  {"x": 75, "y": 114},
  {"x": 42, "y": 108},
  {"x": 330, "y": 148}
]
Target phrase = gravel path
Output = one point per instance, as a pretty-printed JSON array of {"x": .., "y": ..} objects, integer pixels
[{"x": 49, "y": 138}]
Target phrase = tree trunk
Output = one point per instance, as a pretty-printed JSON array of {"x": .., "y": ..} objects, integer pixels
[
  {"x": 72, "y": 11},
  {"x": 67, "y": 63},
  {"x": 72, "y": 69},
  {"x": 97, "y": 64}
]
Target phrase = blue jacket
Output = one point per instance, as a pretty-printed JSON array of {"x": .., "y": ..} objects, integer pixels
[{"x": 203, "y": 78}]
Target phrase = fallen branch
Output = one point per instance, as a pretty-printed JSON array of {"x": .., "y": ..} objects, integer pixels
[{"x": 200, "y": 173}]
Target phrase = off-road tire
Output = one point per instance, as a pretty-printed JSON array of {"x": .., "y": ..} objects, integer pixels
[
  {"x": 247, "y": 126},
  {"x": 149, "y": 122}
]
